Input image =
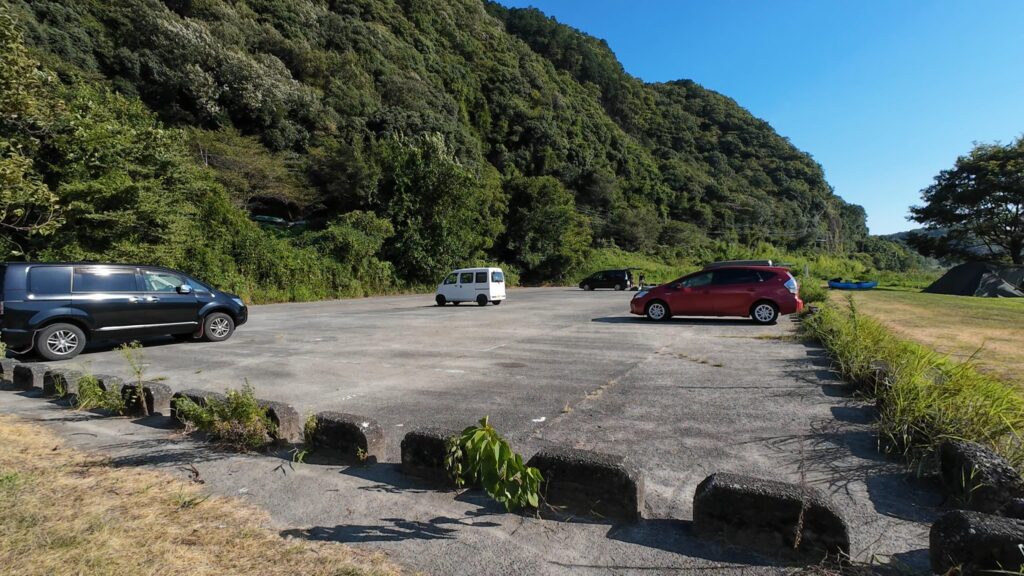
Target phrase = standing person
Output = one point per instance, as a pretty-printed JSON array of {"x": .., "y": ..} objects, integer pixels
[{"x": 640, "y": 279}]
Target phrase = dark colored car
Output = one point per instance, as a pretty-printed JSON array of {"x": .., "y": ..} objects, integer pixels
[
  {"x": 55, "y": 309},
  {"x": 761, "y": 292},
  {"x": 615, "y": 279}
]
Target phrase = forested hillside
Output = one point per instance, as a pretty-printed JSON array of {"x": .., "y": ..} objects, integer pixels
[{"x": 412, "y": 135}]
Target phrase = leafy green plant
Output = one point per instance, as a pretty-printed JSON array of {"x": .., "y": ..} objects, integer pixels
[
  {"x": 92, "y": 395},
  {"x": 238, "y": 421},
  {"x": 811, "y": 290},
  {"x": 479, "y": 455}
]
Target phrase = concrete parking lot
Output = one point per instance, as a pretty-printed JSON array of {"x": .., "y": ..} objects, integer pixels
[{"x": 681, "y": 399}]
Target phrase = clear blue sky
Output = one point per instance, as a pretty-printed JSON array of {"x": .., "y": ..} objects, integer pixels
[{"x": 883, "y": 93}]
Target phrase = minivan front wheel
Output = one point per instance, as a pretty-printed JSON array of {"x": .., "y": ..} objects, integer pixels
[
  {"x": 60, "y": 341},
  {"x": 657, "y": 311},
  {"x": 218, "y": 327},
  {"x": 440, "y": 299}
]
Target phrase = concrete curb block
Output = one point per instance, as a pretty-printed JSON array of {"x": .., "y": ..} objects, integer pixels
[
  {"x": 199, "y": 397},
  {"x": 108, "y": 382},
  {"x": 61, "y": 382},
  {"x": 423, "y": 453},
  {"x": 158, "y": 399},
  {"x": 29, "y": 376},
  {"x": 982, "y": 478},
  {"x": 343, "y": 436},
  {"x": 290, "y": 424},
  {"x": 7, "y": 370},
  {"x": 977, "y": 543},
  {"x": 590, "y": 482},
  {"x": 764, "y": 515}
]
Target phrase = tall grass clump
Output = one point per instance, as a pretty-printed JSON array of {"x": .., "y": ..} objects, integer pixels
[
  {"x": 92, "y": 395},
  {"x": 926, "y": 397},
  {"x": 238, "y": 421}
]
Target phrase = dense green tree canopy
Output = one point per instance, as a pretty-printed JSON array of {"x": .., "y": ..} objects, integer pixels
[
  {"x": 979, "y": 205},
  {"x": 413, "y": 135}
]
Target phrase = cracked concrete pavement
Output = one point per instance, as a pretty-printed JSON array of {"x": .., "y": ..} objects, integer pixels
[{"x": 681, "y": 399}]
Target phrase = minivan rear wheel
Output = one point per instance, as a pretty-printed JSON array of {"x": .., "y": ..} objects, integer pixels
[
  {"x": 764, "y": 313},
  {"x": 481, "y": 300},
  {"x": 218, "y": 327},
  {"x": 60, "y": 341},
  {"x": 618, "y": 287}
]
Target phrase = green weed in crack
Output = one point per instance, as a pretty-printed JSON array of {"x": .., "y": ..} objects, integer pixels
[
  {"x": 91, "y": 395},
  {"x": 479, "y": 455},
  {"x": 237, "y": 422},
  {"x": 133, "y": 355}
]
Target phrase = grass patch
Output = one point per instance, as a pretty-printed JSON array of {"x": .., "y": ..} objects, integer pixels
[
  {"x": 988, "y": 330},
  {"x": 67, "y": 512},
  {"x": 929, "y": 398},
  {"x": 238, "y": 422}
]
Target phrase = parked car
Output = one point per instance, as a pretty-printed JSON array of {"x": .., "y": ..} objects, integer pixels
[
  {"x": 615, "y": 279},
  {"x": 56, "y": 308},
  {"x": 761, "y": 292},
  {"x": 480, "y": 285}
]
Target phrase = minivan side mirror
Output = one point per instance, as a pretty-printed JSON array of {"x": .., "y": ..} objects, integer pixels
[{"x": 184, "y": 289}]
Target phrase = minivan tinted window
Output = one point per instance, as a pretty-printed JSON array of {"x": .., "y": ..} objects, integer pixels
[
  {"x": 481, "y": 277},
  {"x": 45, "y": 280},
  {"x": 104, "y": 280},
  {"x": 157, "y": 281},
  {"x": 736, "y": 276},
  {"x": 466, "y": 278}
]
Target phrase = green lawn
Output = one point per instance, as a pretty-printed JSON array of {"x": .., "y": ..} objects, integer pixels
[{"x": 990, "y": 329}]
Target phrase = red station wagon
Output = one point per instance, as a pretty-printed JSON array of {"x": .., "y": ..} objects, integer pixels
[{"x": 760, "y": 292}]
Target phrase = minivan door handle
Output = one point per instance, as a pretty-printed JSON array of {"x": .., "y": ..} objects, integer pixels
[
  {"x": 133, "y": 299},
  {"x": 152, "y": 299}
]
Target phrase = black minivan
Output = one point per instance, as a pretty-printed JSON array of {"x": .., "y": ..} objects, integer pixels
[
  {"x": 616, "y": 279},
  {"x": 56, "y": 308}
]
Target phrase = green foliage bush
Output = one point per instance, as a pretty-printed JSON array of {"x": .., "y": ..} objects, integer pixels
[
  {"x": 928, "y": 398},
  {"x": 481, "y": 456},
  {"x": 238, "y": 421},
  {"x": 92, "y": 395},
  {"x": 812, "y": 290}
]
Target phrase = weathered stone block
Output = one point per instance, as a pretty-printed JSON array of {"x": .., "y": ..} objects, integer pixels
[
  {"x": 108, "y": 382},
  {"x": 1013, "y": 509},
  {"x": 157, "y": 397},
  {"x": 287, "y": 420},
  {"x": 199, "y": 397},
  {"x": 590, "y": 482},
  {"x": 977, "y": 543},
  {"x": 7, "y": 370},
  {"x": 61, "y": 382},
  {"x": 347, "y": 438},
  {"x": 770, "y": 517},
  {"x": 28, "y": 376},
  {"x": 978, "y": 476},
  {"x": 423, "y": 453}
]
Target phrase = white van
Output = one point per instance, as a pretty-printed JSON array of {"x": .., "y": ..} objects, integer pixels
[{"x": 480, "y": 285}]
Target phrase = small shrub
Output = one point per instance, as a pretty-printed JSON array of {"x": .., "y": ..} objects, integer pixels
[
  {"x": 481, "y": 455},
  {"x": 132, "y": 354},
  {"x": 238, "y": 421},
  {"x": 91, "y": 396},
  {"x": 811, "y": 290}
]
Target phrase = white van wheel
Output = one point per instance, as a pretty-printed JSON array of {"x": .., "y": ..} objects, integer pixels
[
  {"x": 441, "y": 300},
  {"x": 481, "y": 300}
]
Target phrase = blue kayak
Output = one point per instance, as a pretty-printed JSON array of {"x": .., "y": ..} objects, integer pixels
[{"x": 842, "y": 285}]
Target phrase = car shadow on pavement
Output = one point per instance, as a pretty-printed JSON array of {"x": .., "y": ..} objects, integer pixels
[{"x": 676, "y": 321}]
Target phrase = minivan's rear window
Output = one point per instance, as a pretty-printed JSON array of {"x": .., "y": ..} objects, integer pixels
[
  {"x": 497, "y": 276},
  {"x": 49, "y": 280},
  {"x": 104, "y": 280}
]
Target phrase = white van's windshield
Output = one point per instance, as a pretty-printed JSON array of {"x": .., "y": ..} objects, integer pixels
[{"x": 497, "y": 277}]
